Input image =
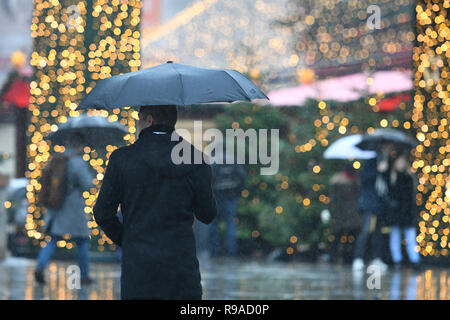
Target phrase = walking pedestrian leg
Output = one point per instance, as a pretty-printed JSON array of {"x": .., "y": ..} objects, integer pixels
[
  {"x": 376, "y": 238},
  {"x": 411, "y": 244},
  {"x": 361, "y": 242},
  {"x": 377, "y": 245},
  {"x": 395, "y": 244},
  {"x": 214, "y": 240},
  {"x": 83, "y": 257},
  {"x": 45, "y": 255},
  {"x": 230, "y": 235}
]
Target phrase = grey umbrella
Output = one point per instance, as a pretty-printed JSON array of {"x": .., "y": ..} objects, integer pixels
[
  {"x": 171, "y": 84},
  {"x": 17, "y": 189},
  {"x": 378, "y": 136},
  {"x": 96, "y": 130}
]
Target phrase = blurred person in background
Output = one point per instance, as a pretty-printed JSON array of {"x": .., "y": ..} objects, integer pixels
[
  {"x": 227, "y": 184},
  {"x": 345, "y": 219},
  {"x": 67, "y": 218},
  {"x": 17, "y": 217},
  {"x": 402, "y": 212},
  {"x": 372, "y": 202}
]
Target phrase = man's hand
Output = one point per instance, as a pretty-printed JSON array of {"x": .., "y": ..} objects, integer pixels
[{"x": 382, "y": 165}]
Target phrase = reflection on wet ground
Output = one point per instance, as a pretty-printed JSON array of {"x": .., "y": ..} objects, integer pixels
[{"x": 237, "y": 279}]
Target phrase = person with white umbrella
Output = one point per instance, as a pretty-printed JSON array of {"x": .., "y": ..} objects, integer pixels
[
  {"x": 345, "y": 148},
  {"x": 345, "y": 217},
  {"x": 368, "y": 203}
]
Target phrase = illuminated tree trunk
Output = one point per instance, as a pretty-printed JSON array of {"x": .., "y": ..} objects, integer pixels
[
  {"x": 430, "y": 118},
  {"x": 76, "y": 43}
]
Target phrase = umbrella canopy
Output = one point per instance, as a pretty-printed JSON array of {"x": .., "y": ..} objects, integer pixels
[
  {"x": 345, "y": 148},
  {"x": 96, "y": 130},
  {"x": 373, "y": 140},
  {"x": 17, "y": 189},
  {"x": 171, "y": 84}
]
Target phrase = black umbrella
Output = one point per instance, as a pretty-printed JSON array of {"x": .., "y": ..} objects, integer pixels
[
  {"x": 171, "y": 84},
  {"x": 373, "y": 140},
  {"x": 96, "y": 130}
]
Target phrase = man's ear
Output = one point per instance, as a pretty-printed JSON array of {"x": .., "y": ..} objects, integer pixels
[{"x": 149, "y": 120}]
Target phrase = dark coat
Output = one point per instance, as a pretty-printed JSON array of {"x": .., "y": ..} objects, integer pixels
[
  {"x": 228, "y": 180},
  {"x": 71, "y": 218},
  {"x": 158, "y": 200},
  {"x": 368, "y": 200},
  {"x": 401, "y": 210},
  {"x": 344, "y": 205}
]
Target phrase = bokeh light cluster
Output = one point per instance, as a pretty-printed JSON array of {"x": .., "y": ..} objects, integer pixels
[
  {"x": 431, "y": 116},
  {"x": 76, "y": 43},
  {"x": 281, "y": 42},
  {"x": 343, "y": 35}
]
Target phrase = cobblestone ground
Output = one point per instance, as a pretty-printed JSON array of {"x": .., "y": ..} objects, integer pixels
[{"x": 236, "y": 279}]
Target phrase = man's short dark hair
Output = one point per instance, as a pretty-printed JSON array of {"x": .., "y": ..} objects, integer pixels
[{"x": 165, "y": 114}]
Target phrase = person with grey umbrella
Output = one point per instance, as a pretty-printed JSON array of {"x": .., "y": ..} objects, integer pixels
[
  {"x": 371, "y": 203},
  {"x": 402, "y": 213},
  {"x": 158, "y": 200},
  {"x": 70, "y": 218}
]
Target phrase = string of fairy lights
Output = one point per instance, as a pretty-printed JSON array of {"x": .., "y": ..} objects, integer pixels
[
  {"x": 75, "y": 44},
  {"x": 430, "y": 118}
]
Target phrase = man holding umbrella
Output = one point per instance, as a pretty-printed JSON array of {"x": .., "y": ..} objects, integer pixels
[{"x": 158, "y": 198}]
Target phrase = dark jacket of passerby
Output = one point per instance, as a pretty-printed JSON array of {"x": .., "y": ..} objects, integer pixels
[
  {"x": 71, "y": 217},
  {"x": 369, "y": 200},
  {"x": 158, "y": 200},
  {"x": 228, "y": 179},
  {"x": 401, "y": 208},
  {"x": 344, "y": 203}
]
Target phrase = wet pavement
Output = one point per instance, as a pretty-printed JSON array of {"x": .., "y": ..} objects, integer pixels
[{"x": 237, "y": 279}]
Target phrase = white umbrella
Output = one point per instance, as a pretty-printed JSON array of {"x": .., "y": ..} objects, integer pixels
[{"x": 345, "y": 148}]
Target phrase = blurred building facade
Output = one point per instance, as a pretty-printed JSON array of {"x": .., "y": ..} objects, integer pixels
[{"x": 15, "y": 19}]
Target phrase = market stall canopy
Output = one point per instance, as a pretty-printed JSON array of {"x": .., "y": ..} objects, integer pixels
[{"x": 344, "y": 89}]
